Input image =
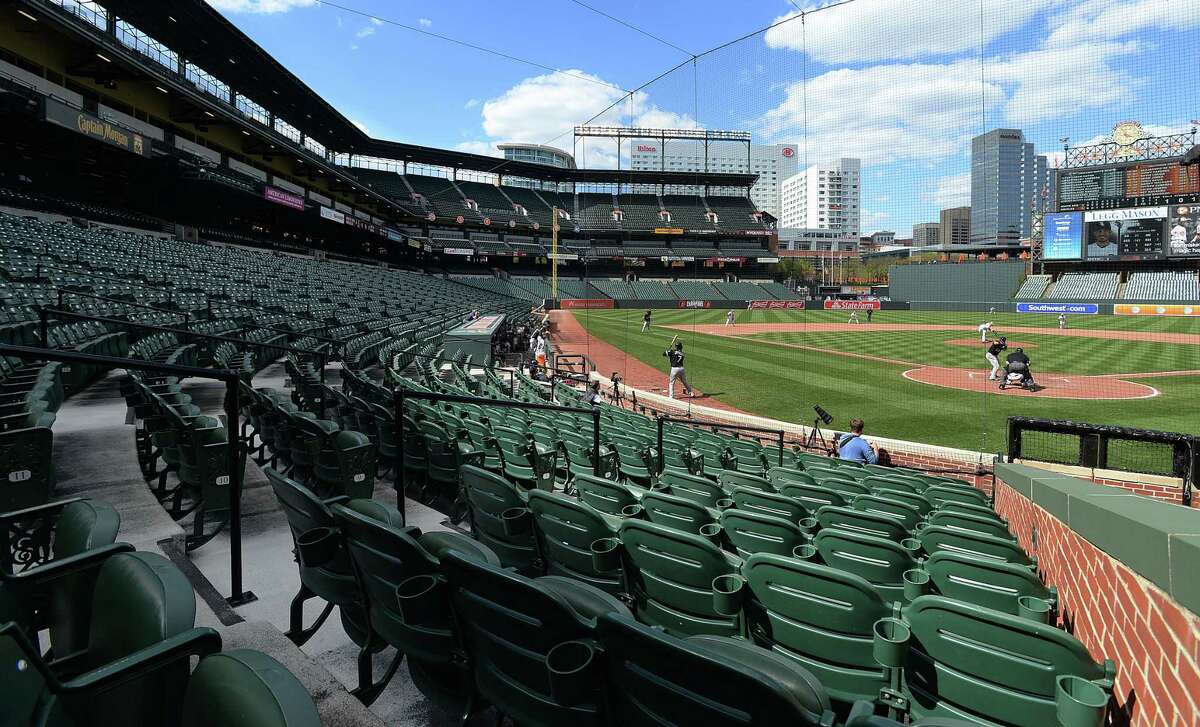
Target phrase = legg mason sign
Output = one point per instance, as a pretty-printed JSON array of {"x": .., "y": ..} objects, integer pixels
[{"x": 95, "y": 128}]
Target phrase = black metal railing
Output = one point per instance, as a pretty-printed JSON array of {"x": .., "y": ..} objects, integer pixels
[
  {"x": 237, "y": 596},
  {"x": 777, "y": 434},
  {"x": 1099, "y": 446}
]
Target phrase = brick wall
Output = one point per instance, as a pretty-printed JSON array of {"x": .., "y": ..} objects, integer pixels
[{"x": 1118, "y": 615}]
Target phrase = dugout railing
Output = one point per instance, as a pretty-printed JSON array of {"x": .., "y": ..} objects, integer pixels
[{"x": 1106, "y": 447}]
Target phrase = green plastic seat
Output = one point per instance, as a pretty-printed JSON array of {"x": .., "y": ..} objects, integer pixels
[
  {"x": 971, "y": 662},
  {"x": 867, "y": 522},
  {"x": 490, "y": 498},
  {"x": 814, "y": 497},
  {"x": 677, "y": 512},
  {"x": 671, "y": 578},
  {"x": 510, "y": 625},
  {"x": 986, "y": 582},
  {"x": 605, "y": 495},
  {"x": 972, "y": 509},
  {"x": 821, "y": 617},
  {"x": 653, "y": 678},
  {"x": 27, "y": 476},
  {"x": 753, "y": 532},
  {"x": 246, "y": 688},
  {"x": 938, "y": 538},
  {"x": 566, "y": 528},
  {"x": 780, "y": 476},
  {"x": 700, "y": 490},
  {"x": 731, "y": 479},
  {"x": 333, "y": 580},
  {"x": 938, "y": 494},
  {"x": 916, "y": 501},
  {"x": 881, "y": 562},
  {"x": 398, "y": 572},
  {"x": 769, "y": 503},
  {"x": 908, "y": 515},
  {"x": 970, "y": 522}
]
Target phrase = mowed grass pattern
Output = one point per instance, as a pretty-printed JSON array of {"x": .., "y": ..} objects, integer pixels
[{"x": 783, "y": 383}]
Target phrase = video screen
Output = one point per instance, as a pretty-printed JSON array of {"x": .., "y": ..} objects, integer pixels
[
  {"x": 1183, "y": 231},
  {"x": 1124, "y": 233},
  {"x": 1063, "y": 237}
]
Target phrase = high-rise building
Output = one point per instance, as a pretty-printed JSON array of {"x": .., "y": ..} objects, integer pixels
[
  {"x": 771, "y": 162},
  {"x": 1007, "y": 178},
  {"x": 926, "y": 234},
  {"x": 824, "y": 197},
  {"x": 955, "y": 226}
]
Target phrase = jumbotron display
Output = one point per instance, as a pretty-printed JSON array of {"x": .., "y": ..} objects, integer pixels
[{"x": 1133, "y": 211}]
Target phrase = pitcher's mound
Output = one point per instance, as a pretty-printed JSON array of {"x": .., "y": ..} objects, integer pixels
[{"x": 1051, "y": 386}]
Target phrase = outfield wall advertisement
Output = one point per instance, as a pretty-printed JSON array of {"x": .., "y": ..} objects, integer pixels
[
  {"x": 777, "y": 305},
  {"x": 585, "y": 303},
  {"x": 851, "y": 304},
  {"x": 1150, "y": 309},
  {"x": 1086, "y": 309}
]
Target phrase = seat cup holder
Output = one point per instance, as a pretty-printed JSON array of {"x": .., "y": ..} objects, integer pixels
[
  {"x": 420, "y": 600},
  {"x": 318, "y": 546},
  {"x": 891, "y": 636},
  {"x": 660, "y": 486},
  {"x": 634, "y": 512},
  {"x": 919, "y": 527},
  {"x": 606, "y": 555},
  {"x": 808, "y": 551},
  {"x": 1033, "y": 608},
  {"x": 724, "y": 503},
  {"x": 809, "y": 525},
  {"x": 712, "y": 531},
  {"x": 515, "y": 521},
  {"x": 912, "y": 545},
  {"x": 916, "y": 583},
  {"x": 569, "y": 666},
  {"x": 1078, "y": 702},
  {"x": 728, "y": 593}
]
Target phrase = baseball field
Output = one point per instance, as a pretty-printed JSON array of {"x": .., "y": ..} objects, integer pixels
[{"x": 915, "y": 375}]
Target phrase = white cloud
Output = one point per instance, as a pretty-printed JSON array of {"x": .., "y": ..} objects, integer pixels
[
  {"x": 486, "y": 148},
  {"x": 1055, "y": 81},
  {"x": 260, "y": 6},
  {"x": 885, "y": 113},
  {"x": 472, "y": 103},
  {"x": 361, "y": 127},
  {"x": 1097, "y": 20},
  {"x": 872, "y": 221},
  {"x": 354, "y": 46},
  {"x": 376, "y": 21},
  {"x": 952, "y": 191},
  {"x": 544, "y": 109},
  {"x": 424, "y": 22},
  {"x": 365, "y": 31},
  {"x": 899, "y": 29}
]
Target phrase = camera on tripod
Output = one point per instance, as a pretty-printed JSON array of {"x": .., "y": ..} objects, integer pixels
[{"x": 816, "y": 440}]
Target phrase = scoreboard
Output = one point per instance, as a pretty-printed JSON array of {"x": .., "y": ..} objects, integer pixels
[{"x": 1131, "y": 211}]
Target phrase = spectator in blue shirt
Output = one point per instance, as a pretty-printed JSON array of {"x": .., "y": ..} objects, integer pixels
[{"x": 854, "y": 448}]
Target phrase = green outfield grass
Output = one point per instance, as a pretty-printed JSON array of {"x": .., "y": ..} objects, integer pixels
[{"x": 759, "y": 376}]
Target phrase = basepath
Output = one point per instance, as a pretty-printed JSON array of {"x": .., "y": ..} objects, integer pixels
[{"x": 571, "y": 337}]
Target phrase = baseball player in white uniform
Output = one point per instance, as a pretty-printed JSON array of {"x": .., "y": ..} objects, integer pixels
[
  {"x": 984, "y": 330},
  {"x": 1062, "y": 321},
  {"x": 853, "y": 317},
  {"x": 729, "y": 318}
]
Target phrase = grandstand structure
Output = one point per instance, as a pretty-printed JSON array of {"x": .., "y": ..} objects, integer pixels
[{"x": 267, "y": 457}]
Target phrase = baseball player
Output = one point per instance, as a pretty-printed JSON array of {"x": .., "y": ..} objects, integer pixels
[
  {"x": 646, "y": 321},
  {"x": 984, "y": 330},
  {"x": 853, "y": 317},
  {"x": 993, "y": 355},
  {"x": 729, "y": 317},
  {"x": 675, "y": 357},
  {"x": 1062, "y": 321}
]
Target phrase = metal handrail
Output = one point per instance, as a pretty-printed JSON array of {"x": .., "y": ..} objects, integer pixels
[
  {"x": 738, "y": 427},
  {"x": 237, "y": 596}
]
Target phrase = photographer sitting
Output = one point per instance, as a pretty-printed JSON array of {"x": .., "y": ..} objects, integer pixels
[{"x": 854, "y": 448}]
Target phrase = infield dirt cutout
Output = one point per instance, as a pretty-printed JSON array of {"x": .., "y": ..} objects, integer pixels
[{"x": 1052, "y": 385}]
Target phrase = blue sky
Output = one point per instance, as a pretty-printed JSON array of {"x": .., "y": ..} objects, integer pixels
[{"x": 898, "y": 83}]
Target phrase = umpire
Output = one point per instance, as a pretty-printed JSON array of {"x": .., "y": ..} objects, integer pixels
[{"x": 675, "y": 357}]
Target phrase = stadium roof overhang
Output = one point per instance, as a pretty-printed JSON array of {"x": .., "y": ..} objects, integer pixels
[
  {"x": 413, "y": 153},
  {"x": 203, "y": 36}
]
